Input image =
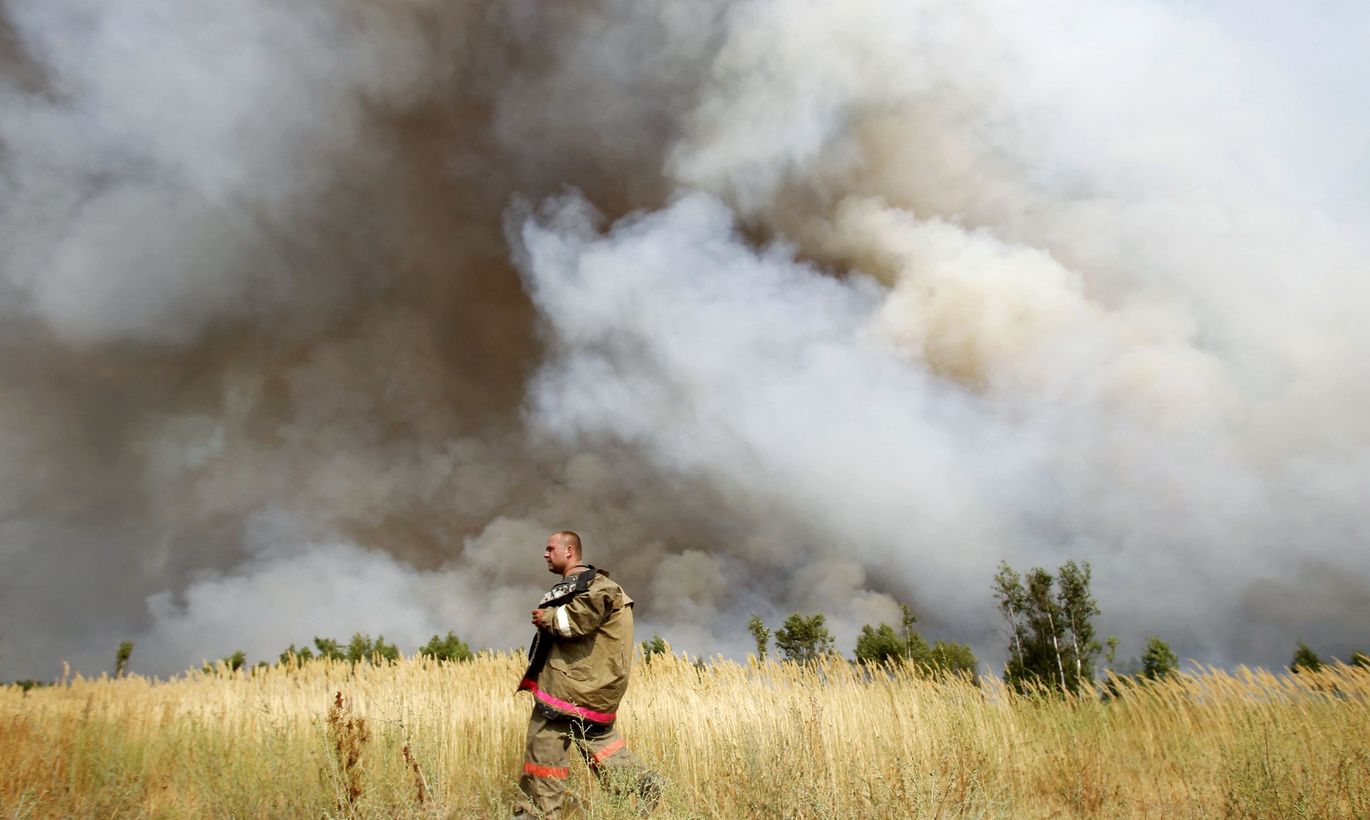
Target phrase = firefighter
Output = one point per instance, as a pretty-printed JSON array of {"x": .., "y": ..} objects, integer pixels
[{"x": 577, "y": 673}]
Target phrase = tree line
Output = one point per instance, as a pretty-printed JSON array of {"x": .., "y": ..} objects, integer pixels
[
  {"x": 1051, "y": 642},
  {"x": 362, "y": 648},
  {"x": 806, "y": 639}
]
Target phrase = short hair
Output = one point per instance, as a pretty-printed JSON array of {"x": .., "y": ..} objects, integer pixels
[{"x": 568, "y": 537}]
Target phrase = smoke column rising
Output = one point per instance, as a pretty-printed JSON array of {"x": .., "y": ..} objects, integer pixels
[{"x": 318, "y": 318}]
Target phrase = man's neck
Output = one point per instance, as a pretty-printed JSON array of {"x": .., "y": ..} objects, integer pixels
[{"x": 571, "y": 570}]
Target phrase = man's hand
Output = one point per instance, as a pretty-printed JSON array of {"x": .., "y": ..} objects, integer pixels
[{"x": 539, "y": 619}]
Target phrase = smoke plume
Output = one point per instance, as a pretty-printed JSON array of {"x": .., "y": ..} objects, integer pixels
[{"x": 318, "y": 317}]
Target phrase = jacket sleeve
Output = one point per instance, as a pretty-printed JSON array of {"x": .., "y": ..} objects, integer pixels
[{"x": 582, "y": 615}]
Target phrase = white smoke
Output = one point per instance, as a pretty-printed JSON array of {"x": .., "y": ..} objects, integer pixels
[{"x": 1114, "y": 309}]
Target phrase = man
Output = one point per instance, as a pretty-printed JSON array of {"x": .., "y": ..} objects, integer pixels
[{"x": 578, "y": 672}]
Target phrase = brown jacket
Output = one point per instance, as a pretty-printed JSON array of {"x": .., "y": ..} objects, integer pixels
[{"x": 585, "y": 651}]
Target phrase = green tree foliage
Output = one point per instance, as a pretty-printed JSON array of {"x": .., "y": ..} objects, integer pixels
[
  {"x": 804, "y": 639},
  {"x": 1079, "y": 607},
  {"x": 1012, "y": 604},
  {"x": 121, "y": 657},
  {"x": 1158, "y": 661},
  {"x": 329, "y": 650},
  {"x": 450, "y": 648},
  {"x": 1051, "y": 632},
  {"x": 656, "y": 646},
  {"x": 388, "y": 652},
  {"x": 1304, "y": 659},
  {"x": 914, "y": 645},
  {"x": 296, "y": 657},
  {"x": 362, "y": 648},
  {"x": 760, "y": 634},
  {"x": 879, "y": 645},
  {"x": 952, "y": 658},
  {"x": 1047, "y": 623},
  {"x": 233, "y": 662}
]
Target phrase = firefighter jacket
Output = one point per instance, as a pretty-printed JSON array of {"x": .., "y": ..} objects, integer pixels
[{"x": 578, "y": 664}]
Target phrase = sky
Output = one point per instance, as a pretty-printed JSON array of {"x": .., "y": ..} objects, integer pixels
[{"x": 317, "y": 318}]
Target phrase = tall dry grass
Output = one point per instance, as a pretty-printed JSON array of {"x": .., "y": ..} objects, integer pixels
[{"x": 733, "y": 740}]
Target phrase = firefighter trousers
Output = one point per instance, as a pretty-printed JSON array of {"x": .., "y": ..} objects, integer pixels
[{"x": 545, "y": 764}]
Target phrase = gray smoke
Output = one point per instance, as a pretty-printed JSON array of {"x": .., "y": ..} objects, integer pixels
[{"x": 319, "y": 317}]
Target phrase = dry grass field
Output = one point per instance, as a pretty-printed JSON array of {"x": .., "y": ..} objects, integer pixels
[{"x": 419, "y": 739}]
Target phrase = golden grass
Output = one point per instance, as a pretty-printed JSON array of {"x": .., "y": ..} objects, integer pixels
[{"x": 733, "y": 740}]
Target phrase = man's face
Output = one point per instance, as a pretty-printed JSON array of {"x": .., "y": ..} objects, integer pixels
[{"x": 557, "y": 555}]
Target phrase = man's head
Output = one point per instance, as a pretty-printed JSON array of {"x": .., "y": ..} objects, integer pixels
[{"x": 562, "y": 552}]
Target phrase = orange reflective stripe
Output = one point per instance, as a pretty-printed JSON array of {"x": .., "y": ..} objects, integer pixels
[
  {"x": 607, "y": 751},
  {"x": 568, "y": 708},
  {"x": 546, "y": 771}
]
